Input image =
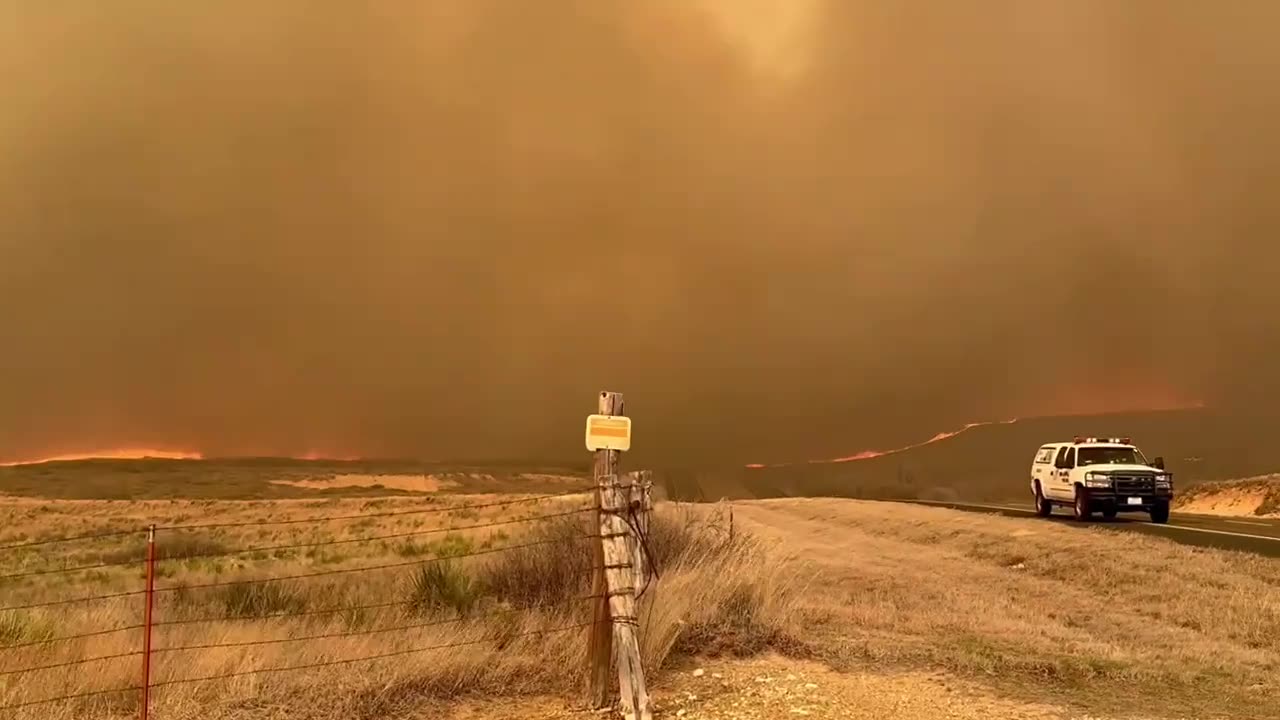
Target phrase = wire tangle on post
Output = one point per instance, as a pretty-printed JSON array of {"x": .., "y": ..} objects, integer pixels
[{"x": 650, "y": 561}]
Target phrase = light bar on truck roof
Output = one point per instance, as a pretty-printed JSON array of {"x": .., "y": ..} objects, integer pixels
[{"x": 1118, "y": 441}]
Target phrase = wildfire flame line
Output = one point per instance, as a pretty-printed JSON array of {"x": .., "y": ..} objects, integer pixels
[
  {"x": 113, "y": 454},
  {"x": 869, "y": 454},
  {"x": 149, "y": 453}
]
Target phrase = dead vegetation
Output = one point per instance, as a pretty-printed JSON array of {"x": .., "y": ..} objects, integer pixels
[
  {"x": 1036, "y": 609},
  {"x": 1040, "y": 608},
  {"x": 454, "y": 616}
]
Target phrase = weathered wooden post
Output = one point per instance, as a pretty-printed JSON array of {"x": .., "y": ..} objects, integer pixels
[
  {"x": 639, "y": 503},
  {"x": 620, "y": 580},
  {"x": 614, "y": 634},
  {"x": 601, "y": 647}
]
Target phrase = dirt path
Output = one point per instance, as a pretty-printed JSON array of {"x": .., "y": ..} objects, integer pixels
[{"x": 773, "y": 688}]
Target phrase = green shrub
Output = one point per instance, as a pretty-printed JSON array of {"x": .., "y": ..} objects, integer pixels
[
  {"x": 271, "y": 598},
  {"x": 440, "y": 586},
  {"x": 452, "y": 545}
]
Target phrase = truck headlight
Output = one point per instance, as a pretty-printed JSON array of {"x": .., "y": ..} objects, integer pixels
[
  {"x": 1097, "y": 480},
  {"x": 1164, "y": 481}
]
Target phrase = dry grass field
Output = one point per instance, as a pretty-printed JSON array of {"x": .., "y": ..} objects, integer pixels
[
  {"x": 502, "y": 603},
  {"x": 1087, "y": 618},
  {"x": 984, "y": 616}
]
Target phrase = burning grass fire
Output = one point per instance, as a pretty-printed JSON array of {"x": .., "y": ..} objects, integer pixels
[{"x": 109, "y": 454}]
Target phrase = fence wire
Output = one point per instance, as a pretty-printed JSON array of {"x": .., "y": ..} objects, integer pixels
[{"x": 170, "y": 650}]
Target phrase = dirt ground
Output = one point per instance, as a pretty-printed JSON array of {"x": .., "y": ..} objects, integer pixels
[{"x": 776, "y": 687}]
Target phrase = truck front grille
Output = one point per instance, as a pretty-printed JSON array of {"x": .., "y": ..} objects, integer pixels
[{"x": 1134, "y": 484}]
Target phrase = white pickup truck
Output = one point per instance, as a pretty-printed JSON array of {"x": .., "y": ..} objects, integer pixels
[{"x": 1107, "y": 475}]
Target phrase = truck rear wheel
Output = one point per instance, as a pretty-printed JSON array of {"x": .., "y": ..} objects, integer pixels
[
  {"x": 1160, "y": 513},
  {"x": 1044, "y": 508},
  {"x": 1082, "y": 511}
]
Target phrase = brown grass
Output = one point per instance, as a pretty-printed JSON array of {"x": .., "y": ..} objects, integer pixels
[
  {"x": 1040, "y": 607},
  {"x": 503, "y": 623},
  {"x": 1037, "y": 608}
]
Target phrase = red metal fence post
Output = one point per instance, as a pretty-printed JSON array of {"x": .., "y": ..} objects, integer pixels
[{"x": 146, "y": 622}]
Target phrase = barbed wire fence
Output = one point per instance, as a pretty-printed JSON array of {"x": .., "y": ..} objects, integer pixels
[{"x": 612, "y": 517}]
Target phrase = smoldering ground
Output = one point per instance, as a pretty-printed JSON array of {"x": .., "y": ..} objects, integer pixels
[{"x": 437, "y": 229}]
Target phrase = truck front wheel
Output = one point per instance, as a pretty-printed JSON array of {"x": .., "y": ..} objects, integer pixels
[
  {"x": 1082, "y": 510},
  {"x": 1160, "y": 513}
]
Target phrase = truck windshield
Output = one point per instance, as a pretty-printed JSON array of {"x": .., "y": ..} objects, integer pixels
[{"x": 1107, "y": 455}]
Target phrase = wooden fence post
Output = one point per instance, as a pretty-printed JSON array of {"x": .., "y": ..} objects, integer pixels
[
  {"x": 620, "y": 580},
  {"x": 600, "y": 651}
]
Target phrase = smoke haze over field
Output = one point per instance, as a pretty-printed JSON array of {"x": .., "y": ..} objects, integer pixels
[{"x": 437, "y": 228}]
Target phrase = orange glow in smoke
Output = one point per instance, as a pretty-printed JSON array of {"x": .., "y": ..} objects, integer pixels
[
  {"x": 114, "y": 454},
  {"x": 317, "y": 455}
]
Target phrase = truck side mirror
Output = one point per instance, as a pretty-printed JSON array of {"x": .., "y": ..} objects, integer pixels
[{"x": 1158, "y": 463}]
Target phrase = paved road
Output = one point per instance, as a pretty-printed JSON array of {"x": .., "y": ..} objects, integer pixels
[{"x": 1260, "y": 535}]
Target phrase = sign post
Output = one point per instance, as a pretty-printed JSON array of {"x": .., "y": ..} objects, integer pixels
[{"x": 613, "y": 635}]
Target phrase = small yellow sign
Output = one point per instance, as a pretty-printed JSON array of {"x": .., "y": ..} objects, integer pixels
[{"x": 608, "y": 432}]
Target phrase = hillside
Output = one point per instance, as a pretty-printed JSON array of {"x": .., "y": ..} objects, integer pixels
[
  {"x": 273, "y": 478},
  {"x": 990, "y": 462},
  {"x": 987, "y": 462},
  {"x": 1248, "y": 497}
]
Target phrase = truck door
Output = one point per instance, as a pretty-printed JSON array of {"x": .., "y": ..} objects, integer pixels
[
  {"x": 1065, "y": 461},
  {"x": 1061, "y": 482}
]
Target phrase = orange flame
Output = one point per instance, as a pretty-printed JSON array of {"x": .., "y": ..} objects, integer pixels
[
  {"x": 114, "y": 454},
  {"x": 151, "y": 453},
  {"x": 869, "y": 454},
  {"x": 1166, "y": 404}
]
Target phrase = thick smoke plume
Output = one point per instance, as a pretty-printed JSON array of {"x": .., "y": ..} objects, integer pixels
[{"x": 435, "y": 229}]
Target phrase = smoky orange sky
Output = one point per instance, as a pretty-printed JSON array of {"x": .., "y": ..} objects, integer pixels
[{"x": 436, "y": 229}]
